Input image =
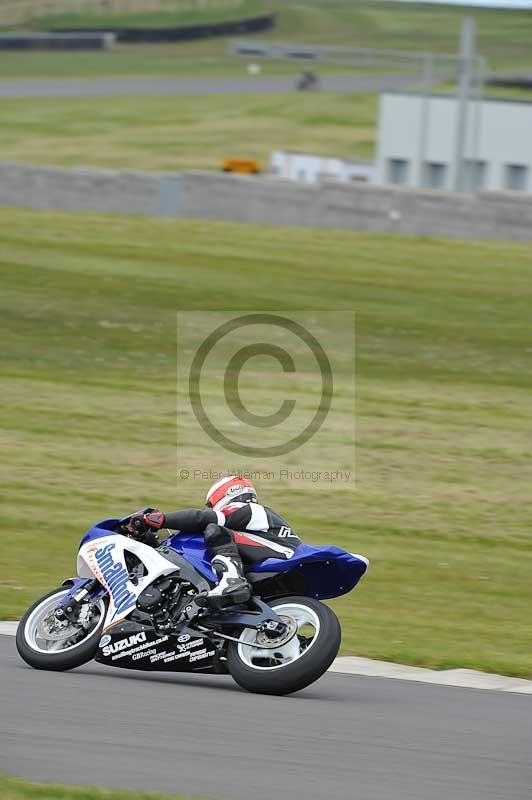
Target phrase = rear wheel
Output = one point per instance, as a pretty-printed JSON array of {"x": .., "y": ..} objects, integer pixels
[
  {"x": 45, "y": 643},
  {"x": 289, "y": 665}
]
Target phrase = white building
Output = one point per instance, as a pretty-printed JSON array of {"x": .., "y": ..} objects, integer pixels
[
  {"x": 311, "y": 169},
  {"x": 417, "y": 143}
]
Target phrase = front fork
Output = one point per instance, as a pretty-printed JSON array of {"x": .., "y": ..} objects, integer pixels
[{"x": 81, "y": 590}]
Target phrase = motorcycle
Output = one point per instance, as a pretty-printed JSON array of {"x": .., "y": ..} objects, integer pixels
[
  {"x": 308, "y": 81},
  {"x": 137, "y": 607}
]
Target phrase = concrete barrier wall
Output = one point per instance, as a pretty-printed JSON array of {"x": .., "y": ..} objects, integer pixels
[
  {"x": 503, "y": 215},
  {"x": 79, "y": 189},
  {"x": 218, "y": 196}
]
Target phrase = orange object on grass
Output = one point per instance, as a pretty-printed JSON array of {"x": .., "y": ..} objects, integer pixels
[{"x": 248, "y": 166}]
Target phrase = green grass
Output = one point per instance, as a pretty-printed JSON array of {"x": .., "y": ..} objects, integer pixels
[
  {"x": 18, "y": 789},
  {"x": 507, "y": 93},
  {"x": 444, "y": 373},
  {"x": 156, "y": 133},
  {"x": 174, "y": 16},
  {"x": 185, "y": 60},
  {"x": 503, "y": 37}
]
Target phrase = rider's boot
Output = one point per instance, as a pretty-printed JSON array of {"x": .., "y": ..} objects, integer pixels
[{"x": 233, "y": 588}]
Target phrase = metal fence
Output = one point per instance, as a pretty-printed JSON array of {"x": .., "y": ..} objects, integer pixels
[
  {"x": 14, "y": 12},
  {"x": 443, "y": 66}
]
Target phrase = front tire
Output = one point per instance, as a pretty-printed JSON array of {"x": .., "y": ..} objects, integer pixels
[
  {"x": 299, "y": 662},
  {"x": 42, "y": 648}
]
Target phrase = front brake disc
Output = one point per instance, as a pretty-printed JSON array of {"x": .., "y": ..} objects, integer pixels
[{"x": 52, "y": 630}]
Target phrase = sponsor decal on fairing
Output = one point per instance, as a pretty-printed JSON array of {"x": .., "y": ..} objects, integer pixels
[
  {"x": 189, "y": 645},
  {"x": 168, "y": 656},
  {"x": 114, "y": 576},
  {"x": 123, "y": 644},
  {"x": 131, "y": 651},
  {"x": 197, "y": 655}
]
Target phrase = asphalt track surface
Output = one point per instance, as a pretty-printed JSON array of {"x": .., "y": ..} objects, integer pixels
[
  {"x": 345, "y": 737},
  {"x": 167, "y": 87}
]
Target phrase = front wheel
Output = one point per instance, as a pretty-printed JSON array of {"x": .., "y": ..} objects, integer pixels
[
  {"x": 295, "y": 663},
  {"x": 45, "y": 643}
]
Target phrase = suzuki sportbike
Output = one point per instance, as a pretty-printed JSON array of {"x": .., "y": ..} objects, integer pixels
[{"x": 143, "y": 608}]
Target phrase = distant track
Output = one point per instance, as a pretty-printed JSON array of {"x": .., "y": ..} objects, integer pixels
[
  {"x": 168, "y": 87},
  {"x": 346, "y": 737}
]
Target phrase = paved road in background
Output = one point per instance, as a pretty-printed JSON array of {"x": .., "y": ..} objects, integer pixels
[
  {"x": 346, "y": 737},
  {"x": 162, "y": 87}
]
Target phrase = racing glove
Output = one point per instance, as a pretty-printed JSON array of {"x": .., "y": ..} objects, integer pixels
[{"x": 143, "y": 526}]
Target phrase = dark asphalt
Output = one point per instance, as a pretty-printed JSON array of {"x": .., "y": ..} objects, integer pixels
[
  {"x": 345, "y": 737},
  {"x": 163, "y": 87}
]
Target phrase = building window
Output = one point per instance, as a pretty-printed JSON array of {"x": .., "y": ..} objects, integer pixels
[
  {"x": 474, "y": 175},
  {"x": 398, "y": 169},
  {"x": 516, "y": 177},
  {"x": 435, "y": 175}
]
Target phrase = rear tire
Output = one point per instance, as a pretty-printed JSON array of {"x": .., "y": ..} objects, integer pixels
[
  {"x": 314, "y": 658},
  {"x": 69, "y": 657}
]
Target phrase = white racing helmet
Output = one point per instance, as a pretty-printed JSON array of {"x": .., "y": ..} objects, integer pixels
[{"x": 230, "y": 490}]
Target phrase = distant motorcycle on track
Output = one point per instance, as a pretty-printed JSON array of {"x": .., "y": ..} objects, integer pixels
[
  {"x": 308, "y": 81},
  {"x": 141, "y": 608}
]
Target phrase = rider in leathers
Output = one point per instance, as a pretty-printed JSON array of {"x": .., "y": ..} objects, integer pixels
[{"x": 236, "y": 528}]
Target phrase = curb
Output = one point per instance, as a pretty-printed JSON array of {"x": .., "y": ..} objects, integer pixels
[
  {"x": 8, "y": 628},
  {"x": 352, "y": 665},
  {"x": 464, "y": 678}
]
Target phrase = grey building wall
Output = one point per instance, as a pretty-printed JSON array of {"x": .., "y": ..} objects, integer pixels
[
  {"x": 218, "y": 196},
  {"x": 499, "y": 135}
]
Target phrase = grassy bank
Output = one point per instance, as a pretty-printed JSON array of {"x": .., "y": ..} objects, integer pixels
[
  {"x": 183, "y": 133},
  {"x": 18, "y": 789},
  {"x": 184, "y": 60},
  {"x": 173, "y": 15},
  {"x": 503, "y": 35},
  {"x": 503, "y": 38},
  {"x": 444, "y": 371}
]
